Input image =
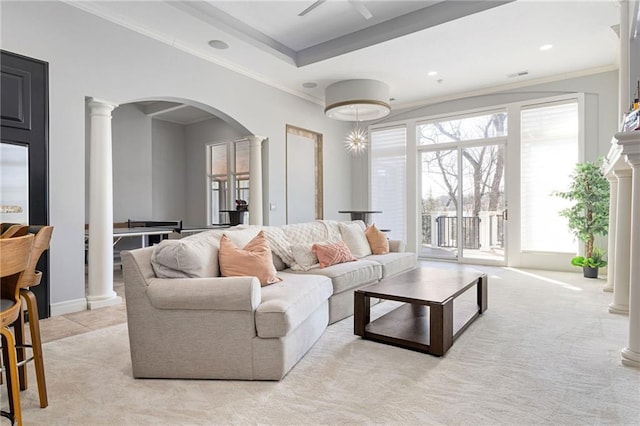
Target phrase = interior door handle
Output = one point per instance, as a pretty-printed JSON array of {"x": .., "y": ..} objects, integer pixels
[{"x": 505, "y": 214}]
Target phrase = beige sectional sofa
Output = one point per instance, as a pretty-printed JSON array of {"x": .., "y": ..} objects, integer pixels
[{"x": 186, "y": 321}]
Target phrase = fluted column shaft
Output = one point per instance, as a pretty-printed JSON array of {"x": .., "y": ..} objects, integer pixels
[
  {"x": 255, "y": 179},
  {"x": 100, "y": 292},
  {"x": 611, "y": 242},
  {"x": 620, "y": 303},
  {"x": 630, "y": 142}
]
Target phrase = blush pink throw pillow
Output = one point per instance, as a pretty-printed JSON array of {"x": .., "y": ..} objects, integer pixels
[
  {"x": 254, "y": 260},
  {"x": 377, "y": 240},
  {"x": 331, "y": 254}
]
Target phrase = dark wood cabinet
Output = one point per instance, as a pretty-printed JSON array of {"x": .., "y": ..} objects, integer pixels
[{"x": 24, "y": 89}]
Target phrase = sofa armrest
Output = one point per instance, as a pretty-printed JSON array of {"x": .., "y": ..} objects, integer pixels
[
  {"x": 397, "y": 246},
  {"x": 221, "y": 293}
]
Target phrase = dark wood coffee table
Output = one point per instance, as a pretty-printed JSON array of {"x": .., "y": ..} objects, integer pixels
[{"x": 430, "y": 320}]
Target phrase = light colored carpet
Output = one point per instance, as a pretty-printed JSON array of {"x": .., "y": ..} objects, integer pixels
[{"x": 546, "y": 352}]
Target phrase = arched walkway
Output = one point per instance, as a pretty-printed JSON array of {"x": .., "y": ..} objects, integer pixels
[{"x": 100, "y": 289}]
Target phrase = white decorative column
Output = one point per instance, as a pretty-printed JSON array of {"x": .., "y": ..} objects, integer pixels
[
  {"x": 100, "y": 291},
  {"x": 611, "y": 242},
  {"x": 620, "y": 303},
  {"x": 630, "y": 142},
  {"x": 255, "y": 179}
]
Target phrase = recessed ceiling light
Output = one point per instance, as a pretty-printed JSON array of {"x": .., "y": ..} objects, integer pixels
[
  {"x": 432, "y": 73},
  {"x": 546, "y": 47},
  {"x": 218, "y": 44},
  {"x": 309, "y": 85}
]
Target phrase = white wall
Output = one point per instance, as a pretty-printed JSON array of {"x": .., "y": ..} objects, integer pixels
[
  {"x": 89, "y": 56},
  {"x": 169, "y": 182},
  {"x": 132, "y": 166}
]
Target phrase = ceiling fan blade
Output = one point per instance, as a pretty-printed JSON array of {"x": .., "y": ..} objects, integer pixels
[
  {"x": 310, "y": 8},
  {"x": 361, "y": 8}
]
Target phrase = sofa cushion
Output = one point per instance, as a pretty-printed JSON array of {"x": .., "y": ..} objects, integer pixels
[
  {"x": 287, "y": 304},
  {"x": 350, "y": 275},
  {"x": 243, "y": 234},
  {"x": 377, "y": 240},
  {"x": 304, "y": 256},
  {"x": 280, "y": 245},
  {"x": 195, "y": 256},
  {"x": 333, "y": 229},
  {"x": 353, "y": 235},
  {"x": 394, "y": 263},
  {"x": 277, "y": 261},
  {"x": 254, "y": 259},
  {"x": 305, "y": 233}
]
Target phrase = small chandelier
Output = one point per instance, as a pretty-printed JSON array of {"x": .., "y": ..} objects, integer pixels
[
  {"x": 356, "y": 140},
  {"x": 355, "y": 100}
]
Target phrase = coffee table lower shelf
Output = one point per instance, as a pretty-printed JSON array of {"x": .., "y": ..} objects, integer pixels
[{"x": 408, "y": 327}]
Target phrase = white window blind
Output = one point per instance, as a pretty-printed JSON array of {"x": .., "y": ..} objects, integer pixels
[
  {"x": 389, "y": 180},
  {"x": 549, "y": 152}
]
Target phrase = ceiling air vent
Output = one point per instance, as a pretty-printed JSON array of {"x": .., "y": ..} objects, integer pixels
[{"x": 518, "y": 74}]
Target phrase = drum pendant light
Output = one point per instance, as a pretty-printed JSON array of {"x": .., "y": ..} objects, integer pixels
[{"x": 357, "y": 100}]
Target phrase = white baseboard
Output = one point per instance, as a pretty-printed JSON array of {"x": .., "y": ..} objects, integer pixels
[{"x": 68, "y": 307}]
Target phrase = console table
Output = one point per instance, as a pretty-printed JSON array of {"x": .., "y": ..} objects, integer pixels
[{"x": 362, "y": 215}]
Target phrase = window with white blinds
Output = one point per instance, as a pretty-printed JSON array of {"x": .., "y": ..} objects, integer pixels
[
  {"x": 549, "y": 152},
  {"x": 389, "y": 180}
]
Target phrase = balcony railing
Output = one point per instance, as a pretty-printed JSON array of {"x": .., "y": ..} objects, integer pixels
[{"x": 486, "y": 230}]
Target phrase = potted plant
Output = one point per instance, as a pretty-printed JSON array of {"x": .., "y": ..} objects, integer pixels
[
  {"x": 591, "y": 264},
  {"x": 589, "y": 214}
]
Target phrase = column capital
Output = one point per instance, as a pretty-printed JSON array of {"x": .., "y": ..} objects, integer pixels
[
  {"x": 255, "y": 139},
  {"x": 100, "y": 106},
  {"x": 629, "y": 142},
  {"x": 633, "y": 160},
  {"x": 621, "y": 173}
]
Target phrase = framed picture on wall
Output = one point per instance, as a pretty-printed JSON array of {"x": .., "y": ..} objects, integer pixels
[{"x": 632, "y": 121}]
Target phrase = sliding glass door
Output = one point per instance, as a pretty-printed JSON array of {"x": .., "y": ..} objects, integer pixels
[
  {"x": 483, "y": 202},
  {"x": 463, "y": 206},
  {"x": 439, "y": 204}
]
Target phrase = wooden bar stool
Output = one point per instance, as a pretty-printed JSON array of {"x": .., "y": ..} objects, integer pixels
[
  {"x": 14, "y": 259},
  {"x": 31, "y": 278},
  {"x": 14, "y": 230}
]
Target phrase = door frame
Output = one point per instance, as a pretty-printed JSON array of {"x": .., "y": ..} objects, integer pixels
[{"x": 458, "y": 146}]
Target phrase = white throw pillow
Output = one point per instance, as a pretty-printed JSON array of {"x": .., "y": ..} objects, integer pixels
[
  {"x": 240, "y": 237},
  {"x": 353, "y": 235},
  {"x": 195, "y": 256},
  {"x": 304, "y": 257}
]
